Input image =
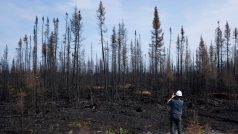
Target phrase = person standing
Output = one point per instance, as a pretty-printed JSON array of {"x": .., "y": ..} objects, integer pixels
[{"x": 176, "y": 108}]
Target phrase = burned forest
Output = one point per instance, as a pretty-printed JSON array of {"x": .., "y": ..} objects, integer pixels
[{"x": 54, "y": 84}]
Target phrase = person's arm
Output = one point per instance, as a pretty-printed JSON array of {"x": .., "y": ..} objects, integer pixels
[{"x": 173, "y": 95}]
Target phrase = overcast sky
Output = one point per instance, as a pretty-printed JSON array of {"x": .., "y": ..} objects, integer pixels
[{"x": 198, "y": 17}]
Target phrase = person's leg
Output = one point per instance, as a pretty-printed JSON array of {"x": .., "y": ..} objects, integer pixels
[
  {"x": 172, "y": 125},
  {"x": 179, "y": 126}
]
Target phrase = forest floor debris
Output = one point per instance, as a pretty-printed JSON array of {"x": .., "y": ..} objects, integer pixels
[{"x": 133, "y": 115}]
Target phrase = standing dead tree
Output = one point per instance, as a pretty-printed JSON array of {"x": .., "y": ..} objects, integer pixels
[
  {"x": 102, "y": 30},
  {"x": 156, "y": 50}
]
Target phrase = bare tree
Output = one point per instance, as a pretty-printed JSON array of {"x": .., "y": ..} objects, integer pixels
[
  {"x": 235, "y": 34},
  {"x": 219, "y": 48},
  {"x": 102, "y": 30},
  {"x": 157, "y": 53},
  {"x": 227, "y": 35},
  {"x": 35, "y": 46}
]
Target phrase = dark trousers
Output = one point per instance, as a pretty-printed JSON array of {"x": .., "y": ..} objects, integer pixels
[{"x": 175, "y": 124}]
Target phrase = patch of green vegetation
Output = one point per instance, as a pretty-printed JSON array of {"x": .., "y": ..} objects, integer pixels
[
  {"x": 110, "y": 131},
  {"x": 120, "y": 131},
  {"x": 79, "y": 124},
  {"x": 74, "y": 125}
]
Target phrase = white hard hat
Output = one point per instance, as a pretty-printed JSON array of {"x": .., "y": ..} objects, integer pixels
[{"x": 178, "y": 93}]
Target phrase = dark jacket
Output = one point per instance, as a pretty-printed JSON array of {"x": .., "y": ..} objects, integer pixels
[{"x": 176, "y": 107}]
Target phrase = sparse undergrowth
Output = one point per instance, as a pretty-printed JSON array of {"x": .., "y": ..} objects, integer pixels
[{"x": 195, "y": 128}]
